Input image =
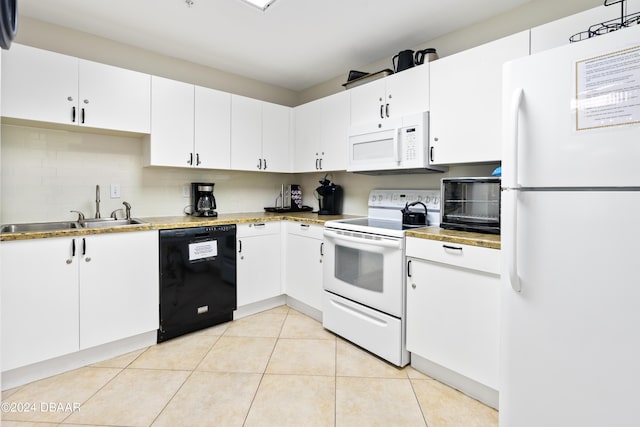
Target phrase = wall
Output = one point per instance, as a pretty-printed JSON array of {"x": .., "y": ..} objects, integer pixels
[
  {"x": 522, "y": 18},
  {"x": 83, "y": 45},
  {"x": 357, "y": 186},
  {"x": 46, "y": 173}
]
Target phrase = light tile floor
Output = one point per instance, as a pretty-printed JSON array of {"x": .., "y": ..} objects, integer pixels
[{"x": 275, "y": 368}]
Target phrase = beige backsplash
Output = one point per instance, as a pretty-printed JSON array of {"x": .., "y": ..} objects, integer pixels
[{"x": 46, "y": 173}]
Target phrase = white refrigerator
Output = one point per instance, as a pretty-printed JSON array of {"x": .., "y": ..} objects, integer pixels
[{"x": 570, "y": 343}]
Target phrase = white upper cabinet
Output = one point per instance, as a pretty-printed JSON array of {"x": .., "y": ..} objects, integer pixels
[
  {"x": 466, "y": 102},
  {"x": 321, "y": 134},
  {"x": 260, "y": 135},
  {"x": 380, "y": 104},
  {"x": 212, "y": 129},
  {"x": 171, "y": 140},
  {"x": 276, "y": 137},
  {"x": 190, "y": 126},
  {"x": 39, "y": 85},
  {"x": 114, "y": 98},
  {"x": 50, "y": 87}
]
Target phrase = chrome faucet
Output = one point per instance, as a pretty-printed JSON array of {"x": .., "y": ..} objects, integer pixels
[
  {"x": 97, "y": 201},
  {"x": 127, "y": 210},
  {"x": 80, "y": 216}
]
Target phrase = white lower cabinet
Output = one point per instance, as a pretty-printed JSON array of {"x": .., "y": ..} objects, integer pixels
[
  {"x": 61, "y": 295},
  {"x": 258, "y": 262},
  {"x": 303, "y": 267},
  {"x": 453, "y": 307},
  {"x": 39, "y": 300},
  {"x": 119, "y": 287}
]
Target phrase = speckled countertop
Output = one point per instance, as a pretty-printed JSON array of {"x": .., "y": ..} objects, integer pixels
[
  {"x": 453, "y": 236},
  {"x": 166, "y": 222}
]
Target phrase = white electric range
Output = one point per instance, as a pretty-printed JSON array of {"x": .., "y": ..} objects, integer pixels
[{"x": 364, "y": 272}]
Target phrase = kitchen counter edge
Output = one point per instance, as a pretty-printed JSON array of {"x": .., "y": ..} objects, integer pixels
[
  {"x": 169, "y": 222},
  {"x": 491, "y": 241}
]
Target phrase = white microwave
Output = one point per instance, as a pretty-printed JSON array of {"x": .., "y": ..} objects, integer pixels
[{"x": 402, "y": 147}]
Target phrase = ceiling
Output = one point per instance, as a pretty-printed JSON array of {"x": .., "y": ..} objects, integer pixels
[{"x": 295, "y": 44}]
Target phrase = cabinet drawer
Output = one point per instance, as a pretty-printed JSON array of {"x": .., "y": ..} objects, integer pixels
[
  {"x": 465, "y": 256},
  {"x": 258, "y": 229},
  {"x": 306, "y": 230}
]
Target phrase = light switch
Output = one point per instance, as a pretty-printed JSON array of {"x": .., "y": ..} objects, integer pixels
[{"x": 115, "y": 191}]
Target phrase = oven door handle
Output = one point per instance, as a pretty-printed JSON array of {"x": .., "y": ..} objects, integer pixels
[{"x": 384, "y": 242}]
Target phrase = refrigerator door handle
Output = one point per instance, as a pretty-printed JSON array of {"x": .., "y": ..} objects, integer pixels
[
  {"x": 513, "y": 187},
  {"x": 514, "y": 112},
  {"x": 512, "y": 255}
]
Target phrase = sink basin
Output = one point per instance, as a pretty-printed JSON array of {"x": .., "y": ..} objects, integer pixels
[
  {"x": 109, "y": 222},
  {"x": 38, "y": 226}
]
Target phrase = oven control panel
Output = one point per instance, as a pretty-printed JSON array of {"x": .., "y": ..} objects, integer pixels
[{"x": 399, "y": 198}]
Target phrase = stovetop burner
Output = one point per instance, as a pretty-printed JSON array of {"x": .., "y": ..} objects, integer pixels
[{"x": 385, "y": 216}]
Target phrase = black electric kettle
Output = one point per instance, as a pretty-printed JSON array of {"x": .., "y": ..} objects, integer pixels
[
  {"x": 410, "y": 217},
  {"x": 402, "y": 61}
]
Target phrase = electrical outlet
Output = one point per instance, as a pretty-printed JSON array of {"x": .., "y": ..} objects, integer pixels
[
  {"x": 186, "y": 191},
  {"x": 115, "y": 191}
]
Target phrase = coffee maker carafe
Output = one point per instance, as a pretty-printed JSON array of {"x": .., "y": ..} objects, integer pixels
[
  {"x": 329, "y": 198},
  {"x": 202, "y": 199}
]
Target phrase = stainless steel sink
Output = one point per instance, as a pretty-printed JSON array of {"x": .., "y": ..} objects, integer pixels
[
  {"x": 38, "y": 226},
  {"x": 109, "y": 222}
]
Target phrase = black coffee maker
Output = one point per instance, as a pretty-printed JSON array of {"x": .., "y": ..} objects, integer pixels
[
  {"x": 329, "y": 197},
  {"x": 202, "y": 199}
]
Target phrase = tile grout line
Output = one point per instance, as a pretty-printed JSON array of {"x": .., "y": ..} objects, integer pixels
[
  {"x": 185, "y": 380},
  {"x": 253, "y": 399},
  {"x": 424, "y": 416}
]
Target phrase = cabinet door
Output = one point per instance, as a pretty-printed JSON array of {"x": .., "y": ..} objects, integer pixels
[
  {"x": 246, "y": 133},
  {"x": 119, "y": 286},
  {"x": 258, "y": 262},
  {"x": 453, "y": 318},
  {"x": 171, "y": 140},
  {"x": 466, "y": 101},
  {"x": 334, "y": 132},
  {"x": 407, "y": 92},
  {"x": 39, "y": 300},
  {"x": 114, "y": 98},
  {"x": 303, "y": 275},
  {"x": 39, "y": 85},
  {"x": 367, "y": 105},
  {"x": 307, "y": 137},
  {"x": 212, "y": 129},
  {"x": 276, "y": 121}
]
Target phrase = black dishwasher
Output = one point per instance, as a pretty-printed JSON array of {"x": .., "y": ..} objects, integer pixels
[{"x": 197, "y": 278}]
